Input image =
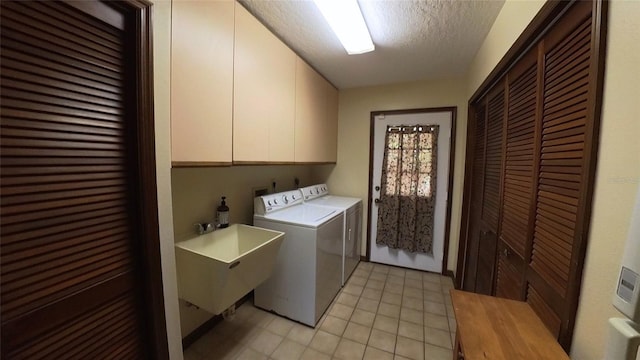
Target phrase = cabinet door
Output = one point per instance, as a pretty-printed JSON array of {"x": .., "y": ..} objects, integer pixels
[
  {"x": 264, "y": 93},
  {"x": 315, "y": 136},
  {"x": 201, "y": 82}
]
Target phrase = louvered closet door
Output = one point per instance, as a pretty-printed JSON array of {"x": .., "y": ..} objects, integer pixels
[
  {"x": 561, "y": 179},
  {"x": 478, "y": 133},
  {"x": 68, "y": 273},
  {"x": 518, "y": 176}
]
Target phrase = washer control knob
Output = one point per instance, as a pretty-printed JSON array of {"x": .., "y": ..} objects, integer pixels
[
  {"x": 275, "y": 201},
  {"x": 285, "y": 199}
]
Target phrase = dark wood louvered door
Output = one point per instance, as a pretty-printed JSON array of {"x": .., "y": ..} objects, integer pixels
[
  {"x": 538, "y": 198},
  {"x": 79, "y": 238},
  {"x": 565, "y": 159}
]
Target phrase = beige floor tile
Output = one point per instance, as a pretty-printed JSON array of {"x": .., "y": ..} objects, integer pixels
[
  {"x": 393, "y": 279},
  {"x": 262, "y": 318},
  {"x": 397, "y": 272},
  {"x": 357, "y": 280},
  {"x": 333, "y": 325},
  {"x": 347, "y": 299},
  {"x": 412, "y": 303},
  {"x": 436, "y": 321},
  {"x": 433, "y": 296},
  {"x": 398, "y": 357},
  {"x": 393, "y": 288},
  {"x": 391, "y": 298},
  {"x": 361, "y": 273},
  {"x": 431, "y": 277},
  {"x": 413, "y": 274},
  {"x": 432, "y": 286},
  {"x": 411, "y": 315},
  {"x": 191, "y": 354},
  {"x": 447, "y": 282},
  {"x": 245, "y": 332},
  {"x": 453, "y": 338},
  {"x": 380, "y": 268},
  {"x": 382, "y": 340},
  {"x": 435, "y": 308},
  {"x": 411, "y": 331},
  {"x": 349, "y": 350},
  {"x": 208, "y": 343},
  {"x": 413, "y": 283},
  {"x": 230, "y": 350},
  {"x": 386, "y": 323},
  {"x": 301, "y": 334},
  {"x": 341, "y": 311},
  {"x": 437, "y": 337},
  {"x": 353, "y": 289},
  {"x": 412, "y": 292},
  {"x": 266, "y": 342},
  {"x": 432, "y": 352},
  {"x": 389, "y": 310},
  {"x": 372, "y": 294},
  {"x": 324, "y": 342},
  {"x": 363, "y": 317},
  {"x": 280, "y": 326},
  {"x": 450, "y": 311},
  {"x": 378, "y": 276},
  {"x": 311, "y": 354},
  {"x": 368, "y": 305},
  {"x": 356, "y": 332},
  {"x": 371, "y": 353},
  {"x": 374, "y": 284},
  {"x": 452, "y": 324},
  {"x": 250, "y": 354},
  {"x": 288, "y": 350},
  {"x": 410, "y": 348},
  {"x": 365, "y": 265}
]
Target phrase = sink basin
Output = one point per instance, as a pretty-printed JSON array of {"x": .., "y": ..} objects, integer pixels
[{"x": 217, "y": 269}]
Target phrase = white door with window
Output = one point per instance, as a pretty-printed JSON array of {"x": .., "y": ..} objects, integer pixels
[{"x": 410, "y": 177}]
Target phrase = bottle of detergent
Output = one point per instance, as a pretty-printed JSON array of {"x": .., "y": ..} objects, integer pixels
[{"x": 223, "y": 214}]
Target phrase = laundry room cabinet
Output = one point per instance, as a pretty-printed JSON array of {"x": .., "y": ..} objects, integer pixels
[
  {"x": 264, "y": 93},
  {"x": 202, "y": 38},
  {"x": 316, "y": 120},
  {"x": 239, "y": 95}
]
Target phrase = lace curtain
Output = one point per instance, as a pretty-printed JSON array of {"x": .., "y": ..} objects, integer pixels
[{"x": 408, "y": 188}]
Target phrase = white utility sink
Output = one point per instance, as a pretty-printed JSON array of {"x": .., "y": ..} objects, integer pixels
[{"x": 217, "y": 269}]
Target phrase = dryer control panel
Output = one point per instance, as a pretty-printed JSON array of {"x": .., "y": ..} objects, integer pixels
[
  {"x": 314, "y": 191},
  {"x": 273, "y": 202}
]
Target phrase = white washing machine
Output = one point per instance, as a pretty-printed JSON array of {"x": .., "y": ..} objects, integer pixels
[
  {"x": 318, "y": 195},
  {"x": 307, "y": 275}
]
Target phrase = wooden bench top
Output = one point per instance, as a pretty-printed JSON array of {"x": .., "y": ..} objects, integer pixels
[{"x": 496, "y": 328}]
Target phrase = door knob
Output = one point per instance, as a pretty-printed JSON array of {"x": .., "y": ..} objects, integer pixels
[{"x": 377, "y": 188}]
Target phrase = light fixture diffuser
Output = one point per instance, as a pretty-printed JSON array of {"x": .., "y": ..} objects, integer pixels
[{"x": 347, "y": 23}]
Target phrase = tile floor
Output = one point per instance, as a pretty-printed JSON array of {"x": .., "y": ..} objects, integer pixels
[{"x": 383, "y": 312}]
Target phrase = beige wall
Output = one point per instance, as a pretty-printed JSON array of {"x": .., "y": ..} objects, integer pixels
[
  {"x": 511, "y": 21},
  {"x": 351, "y": 174},
  {"x": 618, "y": 173},
  {"x": 617, "y": 180},
  {"x": 161, "y": 57},
  {"x": 196, "y": 195}
]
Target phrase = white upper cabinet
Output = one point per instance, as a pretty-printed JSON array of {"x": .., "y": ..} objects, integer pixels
[
  {"x": 201, "y": 82},
  {"x": 316, "y": 121},
  {"x": 264, "y": 94}
]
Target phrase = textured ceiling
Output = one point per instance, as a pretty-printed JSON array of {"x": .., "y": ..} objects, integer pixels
[{"x": 414, "y": 40}]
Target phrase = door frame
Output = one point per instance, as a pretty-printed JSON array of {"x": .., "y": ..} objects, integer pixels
[
  {"x": 452, "y": 155},
  {"x": 138, "y": 15}
]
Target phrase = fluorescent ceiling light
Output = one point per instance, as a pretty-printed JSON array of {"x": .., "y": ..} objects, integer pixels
[{"x": 346, "y": 20}]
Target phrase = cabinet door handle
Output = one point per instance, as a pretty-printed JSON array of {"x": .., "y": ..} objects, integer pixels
[
  {"x": 349, "y": 234},
  {"x": 505, "y": 252},
  {"x": 377, "y": 201}
]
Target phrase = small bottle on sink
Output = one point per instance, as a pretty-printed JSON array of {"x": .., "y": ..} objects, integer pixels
[{"x": 223, "y": 214}]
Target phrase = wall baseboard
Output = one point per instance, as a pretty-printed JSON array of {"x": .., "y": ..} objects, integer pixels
[{"x": 196, "y": 334}]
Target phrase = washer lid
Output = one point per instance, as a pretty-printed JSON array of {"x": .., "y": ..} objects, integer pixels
[
  {"x": 305, "y": 215},
  {"x": 341, "y": 202}
]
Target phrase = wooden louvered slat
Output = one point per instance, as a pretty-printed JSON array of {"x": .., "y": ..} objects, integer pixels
[
  {"x": 70, "y": 238},
  {"x": 544, "y": 311},
  {"x": 493, "y": 164},
  {"x": 509, "y": 279}
]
